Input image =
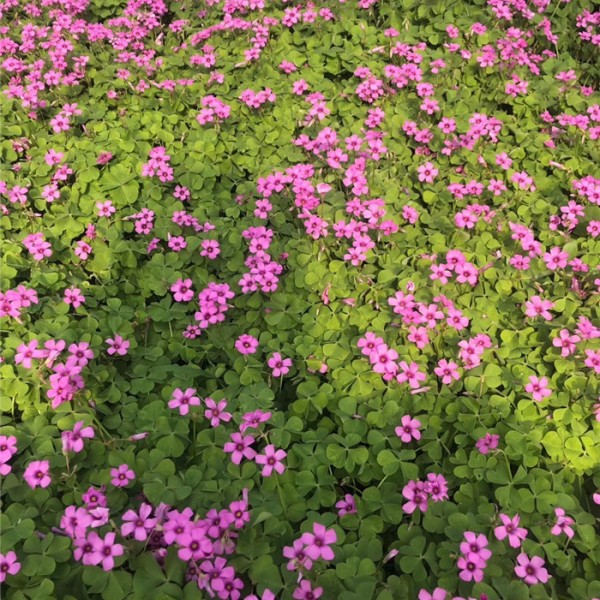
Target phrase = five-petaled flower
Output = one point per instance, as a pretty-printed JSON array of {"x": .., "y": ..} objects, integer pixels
[
  {"x": 122, "y": 475},
  {"x": 408, "y": 429},
  {"x": 317, "y": 543},
  {"x": 271, "y": 460},
  {"x": 531, "y": 570},
  {"x": 117, "y": 346},
  {"x": 37, "y": 474}
]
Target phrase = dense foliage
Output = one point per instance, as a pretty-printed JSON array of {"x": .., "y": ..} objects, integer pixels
[{"x": 300, "y": 300}]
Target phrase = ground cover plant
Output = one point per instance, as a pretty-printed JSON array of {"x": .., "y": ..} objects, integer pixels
[{"x": 300, "y": 300}]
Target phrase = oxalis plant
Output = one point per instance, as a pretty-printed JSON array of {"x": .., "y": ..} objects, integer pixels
[{"x": 299, "y": 300}]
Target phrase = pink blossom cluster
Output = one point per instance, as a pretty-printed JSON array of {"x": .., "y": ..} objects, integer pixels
[
  {"x": 525, "y": 237},
  {"x": 264, "y": 270},
  {"x": 469, "y": 216},
  {"x": 588, "y": 187},
  {"x": 254, "y": 99},
  {"x": 37, "y": 246},
  {"x": 62, "y": 121},
  {"x": 240, "y": 446},
  {"x": 418, "y": 493},
  {"x": 569, "y": 217},
  {"x": 588, "y": 23},
  {"x": 370, "y": 88},
  {"x": 12, "y": 302},
  {"x": 144, "y": 221},
  {"x": 213, "y": 111},
  {"x": 474, "y": 556},
  {"x": 65, "y": 380},
  {"x": 455, "y": 265},
  {"x": 207, "y": 59},
  {"x": 296, "y": 14},
  {"x": 215, "y": 411},
  {"x": 309, "y": 548},
  {"x": 213, "y": 304},
  {"x": 318, "y": 110},
  {"x": 158, "y": 165},
  {"x": 201, "y": 543},
  {"x": 402, "y": 75}
]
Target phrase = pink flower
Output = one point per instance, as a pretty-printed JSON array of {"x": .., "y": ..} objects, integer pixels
[
  {"x": 73, "y": 440},
  {"x": 117, "y": 346},
  {"x": 510, "y": 528},
  {"x": 556, "y": 259},
  {"x": 566, "y": 342},
  {"x": 37, "y": 474},
  {"x": 75, "y": 521},
  {"x": 216, "y": 412},
  {"x": 427, "y": 172},
  {"x": 411, "y": 374},
  {"x": 592, "y": 360},
  {"x": 74, "y": 297},
  {"x": 239, "y": 447},
  {"x": 105, "y": 209},
  {"x": 182, "y": 290},
  {"x": 448, "y": 371},
  {"x": 140, "y": 525},
  {"x": 538, "y": 387},
  {"x": 369, "y": 343},
  {"x": 471, "y": 567},
  {"x": 297, "y": 557},
  {"x": 8, "y": 448},
  {"x": 183, "y": 400},
  {"x": 271, "y": 460},
  {"x": 254, "y": 419},
  {"x": 104, "y": 550},
  {"x": 475, "y": 544},
  {"x": 437, "y": 594},
  {"x": 28, "y": 352},
  {"x": 306, "y": 592},
  {"x": 416, "y": 494},
  {"x": 210, "y": 249},
  {"x": 409, "y": 429},
  {"x": 194, "y": 544},
  {"x": 280, "y": 366},
  {"x": 8, "y": 565},
  {"x": 487, "y": 443},
  {"x": 317, "y": 543},
  {"x": 246, "y": 344},
  {"x": 531, "y": 570},
  {"x": 563, "y": 524},
  {"x": 536, "y": 307},
  {"x": 346, "y": 506},
  {"x": 121, "y": 476}
]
